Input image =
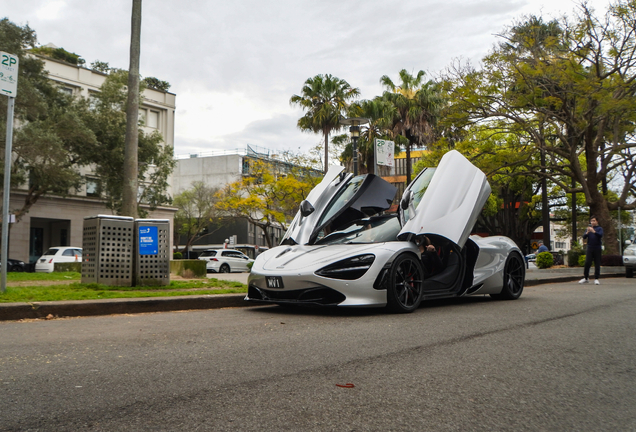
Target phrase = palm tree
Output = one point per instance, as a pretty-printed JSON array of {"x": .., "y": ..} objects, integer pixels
[
  {"x": 324, "y": 98},
  {"x": 380, "y": 113},
  {"x": 417, "y": 106}
]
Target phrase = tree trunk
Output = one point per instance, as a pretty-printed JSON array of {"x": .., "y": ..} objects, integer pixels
[
  {"x": 131, "y": 168},
  {"x": 326, "y": 151}
]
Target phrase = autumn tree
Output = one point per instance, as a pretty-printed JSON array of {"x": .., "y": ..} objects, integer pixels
[{"x": 269, "y": 195}]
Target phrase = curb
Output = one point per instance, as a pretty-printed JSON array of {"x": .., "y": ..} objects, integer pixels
[{"x": 17, "y": 311}]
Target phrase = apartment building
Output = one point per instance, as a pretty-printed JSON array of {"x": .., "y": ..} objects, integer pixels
[{"x": 58, "y": 221}]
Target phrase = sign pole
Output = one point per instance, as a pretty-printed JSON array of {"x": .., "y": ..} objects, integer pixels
[
  {"x": 6, "y": 193},
  {"x": 8, "y": 87}
]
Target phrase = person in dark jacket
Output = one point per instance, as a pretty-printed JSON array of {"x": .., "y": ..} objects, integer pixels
[
  {"x": 594, "y": 236},
  {"x": 430, "y": 259}
]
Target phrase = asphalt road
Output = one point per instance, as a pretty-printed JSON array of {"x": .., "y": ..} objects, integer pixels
[{"x": 562, "y": 357}]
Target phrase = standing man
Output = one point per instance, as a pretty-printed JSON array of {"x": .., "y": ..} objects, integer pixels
[{"x": 594, "y": 236}]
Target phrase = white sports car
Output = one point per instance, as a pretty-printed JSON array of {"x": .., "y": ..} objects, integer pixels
[{"x": 339, "y": 251}]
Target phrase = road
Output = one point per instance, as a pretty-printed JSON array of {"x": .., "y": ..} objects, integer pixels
[{"x": 561, "y": 358}]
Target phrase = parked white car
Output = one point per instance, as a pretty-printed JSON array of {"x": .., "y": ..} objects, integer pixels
[
  {"x": 58, "y": 254},
  {"x": 226, "y": 260}
]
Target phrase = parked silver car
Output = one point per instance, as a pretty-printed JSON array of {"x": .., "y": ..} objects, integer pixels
[
  {"x": 337, "y": 252},
  {"x": 226, "y": 260}
]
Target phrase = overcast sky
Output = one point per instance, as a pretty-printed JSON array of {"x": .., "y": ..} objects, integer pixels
[{"x": 234, "y": 65}]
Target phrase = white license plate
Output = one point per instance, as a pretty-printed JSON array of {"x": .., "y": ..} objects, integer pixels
[{"x": 274, "y": 282}]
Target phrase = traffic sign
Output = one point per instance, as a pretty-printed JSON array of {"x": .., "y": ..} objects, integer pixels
[{"x": 8, "y": 74}]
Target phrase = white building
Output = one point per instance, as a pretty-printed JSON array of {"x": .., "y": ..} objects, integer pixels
[{"x": 58, "y": 221}]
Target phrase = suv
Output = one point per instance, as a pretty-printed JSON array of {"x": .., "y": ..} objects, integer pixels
[
  {"x": 225, "y": 260},
  {"x": 629, "y": 260}
]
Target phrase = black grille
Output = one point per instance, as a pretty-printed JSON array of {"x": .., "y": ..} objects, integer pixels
[{"x": 318, "y": 296}]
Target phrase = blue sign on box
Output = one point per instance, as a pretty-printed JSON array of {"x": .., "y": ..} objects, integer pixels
[{"x": 148, "y": 240}]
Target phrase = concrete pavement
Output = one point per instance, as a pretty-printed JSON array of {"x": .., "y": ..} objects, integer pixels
[{"x": 16, "y": 311}]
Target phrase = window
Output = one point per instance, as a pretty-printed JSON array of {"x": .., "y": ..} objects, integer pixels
[
  {"x": 141, "y": 116},
  {"x": 92, "y": 187},
  {"x": 152, "y": 120},
  {"x": 559, "y": 245},
  {"x": 67, "y": 90}
]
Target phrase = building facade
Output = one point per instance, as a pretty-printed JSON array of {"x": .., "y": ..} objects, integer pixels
[{"x": 58, "y": 221}]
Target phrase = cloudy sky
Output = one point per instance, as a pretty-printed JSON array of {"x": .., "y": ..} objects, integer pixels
[{"x": 234, "y": 64}]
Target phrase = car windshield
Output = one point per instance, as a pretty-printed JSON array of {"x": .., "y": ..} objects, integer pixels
[
  {"x": 207, "y": 254},
  {"x": 368, "y": 230},
  {"x": 51, "y": 251}
]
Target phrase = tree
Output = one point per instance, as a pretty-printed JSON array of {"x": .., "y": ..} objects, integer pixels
[
  {"x": 571, "y": 91},
  {"x": 100, "y": 66},
  {"x": 269, "y": 195},
  {"x": 156, "y": 84},
  {"x": 50, "y": 133},
  {"x": 416, "y": 107},
  {"x": 196, "y": 211},
  {"x": 324, "y": 98},
  {"x": 131, "y": 168},
  {"x": 380, "y": 114},
  {"x": 156, "y": 161}
]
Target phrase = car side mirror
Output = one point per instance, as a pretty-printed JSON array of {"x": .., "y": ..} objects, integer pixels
[
  {"x": 404, "y": 203},
  {"x": 306, "y": 208}
]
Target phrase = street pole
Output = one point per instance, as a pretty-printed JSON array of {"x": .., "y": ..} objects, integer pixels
[
  {"x": 355, "y": 152},
  {"x": 6, "y": 194},
  {"x": 620, "y": 235},
  {"x": 544, "y": 203}
]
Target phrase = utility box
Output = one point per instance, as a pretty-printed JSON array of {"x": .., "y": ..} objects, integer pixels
[
  {"x": 107, "y": 249},
  {"x": 152, "y": 252}
]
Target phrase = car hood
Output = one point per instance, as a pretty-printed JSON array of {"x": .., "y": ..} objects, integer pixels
[
  {"x": 446, "y": 201},
  {"x": 339, "y": 199},
  {"x": 302, "y": 257}
]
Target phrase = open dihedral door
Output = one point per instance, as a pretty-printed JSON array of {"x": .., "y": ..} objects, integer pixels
[{"x": 445, "y": 201}]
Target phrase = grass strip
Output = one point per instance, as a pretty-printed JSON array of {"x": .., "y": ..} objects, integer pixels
[{"x": 93, "y": 291}]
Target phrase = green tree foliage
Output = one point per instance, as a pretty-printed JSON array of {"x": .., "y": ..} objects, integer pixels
[
  {"x": 59, "y": 54},
  {"x": 100, "y": 66},
  {"x": 568, "y": 88},
  {"x": 50, "y": 133},
  {"x": 416, "y": 107},
  {"x": 196, "y": 212},
  {"x": 269, "y": 195},
  {"x": 324, "y": 98},
  {"x": 156, "y": 84},
  {"x": 108, "y": 122}
]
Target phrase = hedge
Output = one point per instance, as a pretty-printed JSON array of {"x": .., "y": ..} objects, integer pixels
[{"x": 196, "y": 267}]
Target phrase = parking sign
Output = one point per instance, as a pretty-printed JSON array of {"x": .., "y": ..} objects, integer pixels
[{"x": 8, "y": 74}]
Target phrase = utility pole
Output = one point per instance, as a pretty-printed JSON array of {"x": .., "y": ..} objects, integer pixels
[
  {"x": 131, "y": 163},
  {"x": 544, "y": 203}
]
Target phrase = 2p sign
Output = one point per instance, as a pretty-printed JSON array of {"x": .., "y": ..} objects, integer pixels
[{"x": 8, "y": 74}]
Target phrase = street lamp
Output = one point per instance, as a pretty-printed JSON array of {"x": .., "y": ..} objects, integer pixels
[{"x": 355, "y": 123}]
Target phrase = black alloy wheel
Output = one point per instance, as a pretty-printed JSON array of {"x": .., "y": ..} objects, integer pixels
[
  {"x": 405, "y": 290},
  {"x": 513, "y": 278},
  {"x": 224, "y": 268}
]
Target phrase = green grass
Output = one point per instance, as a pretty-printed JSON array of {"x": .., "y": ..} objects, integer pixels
[
  {"x": 55, "y": 276},
  {"x": 75, "y": 290}
]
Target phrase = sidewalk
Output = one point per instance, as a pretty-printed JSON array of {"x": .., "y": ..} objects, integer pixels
[{"x": 16, "y": 311}]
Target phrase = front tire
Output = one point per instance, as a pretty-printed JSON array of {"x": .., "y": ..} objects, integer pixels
[
  {"x": 224, "y": 269},
  {"x": 405, "y": 289},
  {"x": 513, "y": 278}
]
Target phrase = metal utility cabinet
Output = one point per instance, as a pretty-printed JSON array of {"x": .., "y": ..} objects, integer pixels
[
  {"x": 152, "y": 252},
  {"x": 107, "y": 247}
]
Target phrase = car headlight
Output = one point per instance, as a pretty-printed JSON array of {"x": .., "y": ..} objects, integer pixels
[
  {"x": 629, "y": 252},
  {"x": 348, "y": 269}
]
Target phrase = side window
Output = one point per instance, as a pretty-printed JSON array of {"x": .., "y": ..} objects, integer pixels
[
  {"x": 68, "y": 252},
  {"x": 78, "y": 252}
]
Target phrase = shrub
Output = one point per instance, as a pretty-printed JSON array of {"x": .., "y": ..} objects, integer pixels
[
  {"x": 544, "y": 260},
  {"x": 177, "y": 255},
  {"x": 611, "y": 260},
  {"x": 573, "y": 257},
  {"x": 581, "y": 260}
]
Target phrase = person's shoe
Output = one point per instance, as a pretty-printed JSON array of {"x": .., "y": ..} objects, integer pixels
[
  {"x": 583, "y": 280},
  {"x": 596, "y": 282}
]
